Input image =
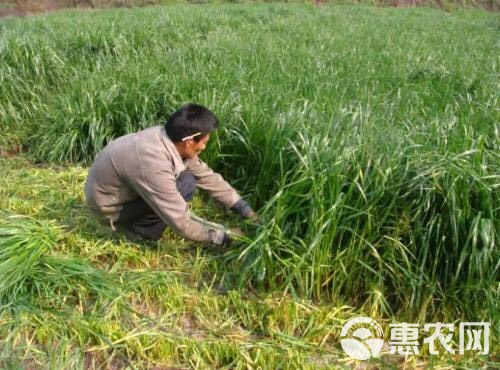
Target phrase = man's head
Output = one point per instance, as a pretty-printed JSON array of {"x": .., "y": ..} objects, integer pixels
[{"x": 189, "y": 128}]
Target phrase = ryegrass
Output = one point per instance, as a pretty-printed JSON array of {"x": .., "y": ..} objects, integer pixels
[
  {"x": 142, "y": 307},
  {"x": 119, "y": 304},
  {"x": 368, "y": 138}
]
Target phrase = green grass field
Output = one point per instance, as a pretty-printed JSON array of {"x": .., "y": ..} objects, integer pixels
[{"x": 367, "y": 138}]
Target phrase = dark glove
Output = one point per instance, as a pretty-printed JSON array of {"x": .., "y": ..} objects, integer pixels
[{"x": 242, "y": 207}]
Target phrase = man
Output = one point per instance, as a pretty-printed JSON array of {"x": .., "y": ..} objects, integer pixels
[{"x": 142, "y": 181}]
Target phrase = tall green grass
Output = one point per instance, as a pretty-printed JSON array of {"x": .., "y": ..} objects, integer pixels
[{"x": 367, "y": 137}]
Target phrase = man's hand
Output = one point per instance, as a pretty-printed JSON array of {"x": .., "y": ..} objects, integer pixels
[
  {"x": 232, "y": 234},
  {"x": 236, "y": 232},
  {"x": 254, "y": 217},
  {"x": 244, "y": 209}
]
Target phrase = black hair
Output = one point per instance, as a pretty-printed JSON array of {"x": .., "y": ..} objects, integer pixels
[{"x": 189, "y": 120}]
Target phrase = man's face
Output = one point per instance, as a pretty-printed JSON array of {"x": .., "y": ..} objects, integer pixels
[{"x": 194, "y": 148}]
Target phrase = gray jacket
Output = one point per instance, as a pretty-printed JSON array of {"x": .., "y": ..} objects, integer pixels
[{"x": 146, "y": 164}]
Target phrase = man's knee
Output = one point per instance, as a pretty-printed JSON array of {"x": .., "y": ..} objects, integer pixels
[{"x": 186, "y": 184}]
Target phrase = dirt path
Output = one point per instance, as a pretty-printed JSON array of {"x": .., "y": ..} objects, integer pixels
[
  {"x": 9, "y": 8},
  {"x": 11, "y": 13}
]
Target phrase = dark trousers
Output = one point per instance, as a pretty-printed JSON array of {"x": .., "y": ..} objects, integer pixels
[{"x": 138, "y": 218}]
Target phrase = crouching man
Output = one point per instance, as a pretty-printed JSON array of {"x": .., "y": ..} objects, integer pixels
[{"x": 142, "y": 182}]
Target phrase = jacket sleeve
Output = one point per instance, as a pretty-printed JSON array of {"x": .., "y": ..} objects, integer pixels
[
  {"x": 156, "y": 185},
  {"x": 212, "y": 183}
]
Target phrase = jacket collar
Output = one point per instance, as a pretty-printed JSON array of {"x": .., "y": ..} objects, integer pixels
[{"x": 177, "y": 162}]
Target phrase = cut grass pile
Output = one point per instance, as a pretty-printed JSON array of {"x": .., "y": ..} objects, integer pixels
[
  {"x": 368, "y": 138},
  {"x": 28, "y": 271}
]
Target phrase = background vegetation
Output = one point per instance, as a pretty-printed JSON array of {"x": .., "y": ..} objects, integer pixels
[
  {"x": 368, "y": 138},
  {"x": 43, "y": 5}
]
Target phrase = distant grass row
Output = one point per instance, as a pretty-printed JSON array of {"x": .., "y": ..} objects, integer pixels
[
  {"x": 442, "y": 4},
  {"x": 368, "y": 137}
]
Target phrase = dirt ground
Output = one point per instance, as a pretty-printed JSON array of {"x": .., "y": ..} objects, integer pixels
[
  {"x": 8, "y": 8},
  {"x": 17, "y": 8},
  {"x": 20, "y": 8},
  {"x": 11, "y": 12}
]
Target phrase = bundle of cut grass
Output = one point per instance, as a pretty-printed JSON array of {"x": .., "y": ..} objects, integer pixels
[{"x": 32, "y": 274}]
